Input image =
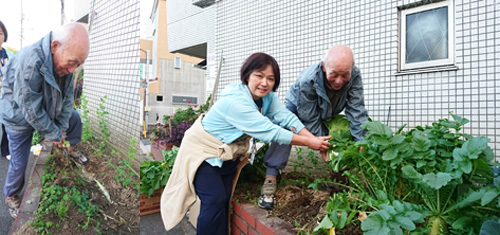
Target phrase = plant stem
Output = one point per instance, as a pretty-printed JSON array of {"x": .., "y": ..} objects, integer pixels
[
  {"x": 472, "y": 173},
  {"x": 378, "y": 176},
  {"x": 132, "y": 169},
  {"x": 438, "y": 201},
  {"x": 449, "y": 197}
]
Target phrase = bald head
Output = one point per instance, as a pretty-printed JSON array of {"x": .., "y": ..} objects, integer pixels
[
  {"x": 337, "y": 65},
  {"x": 69, "y": 47},
  {"x": 339, "y": 53}
]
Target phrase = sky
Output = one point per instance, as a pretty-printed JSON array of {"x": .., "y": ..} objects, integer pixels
[
  {"x": 40, "y": 17},
  {"x": 146, "y": 23},
  {"x": 43, "y": 16}
]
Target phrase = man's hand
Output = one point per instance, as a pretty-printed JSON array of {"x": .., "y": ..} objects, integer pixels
[
  {"x": 60, "y": 144},
  {"x": 319, "y": 143},
  {"x": 323, "y": 155}
]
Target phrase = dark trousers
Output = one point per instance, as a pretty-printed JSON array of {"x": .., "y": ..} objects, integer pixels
[
  {"x": 213, "y": 186},
  {"x": 20, "y": 147},
  {"x": 4, "y": 146},
  {"x": 277, "y": 155}
]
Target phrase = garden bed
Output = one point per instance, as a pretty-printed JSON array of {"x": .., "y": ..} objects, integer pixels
[
  {"x": 300, "y": 206},
  {"x": 71, "y": 201}
]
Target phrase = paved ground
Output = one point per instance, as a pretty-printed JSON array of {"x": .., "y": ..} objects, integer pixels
[
  {"x": 5, "y": 220},
  {"x": 152, "y": 223}
]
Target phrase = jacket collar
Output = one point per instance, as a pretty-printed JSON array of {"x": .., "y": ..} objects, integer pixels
[
  {"x": 47, "y": 68},
  {"x": 319, "y": 84}
]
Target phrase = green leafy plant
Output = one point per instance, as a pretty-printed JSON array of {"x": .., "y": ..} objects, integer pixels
[
  {"x": 124, "y": 168},
  {"x": 436, "y": 166},
  {"x": 37, "y": 138},
  {"x": 389, "y": 219},
  {"x": 62, "y": 208},
  {"x": 103, "y": 126},
  {"x": 56, "y": 199},
  {"x": 190, "y": 114},
  {"x": 86, "y": 122},
  {"x": 341, "y": 211},
  {"x": 490, "y": 227},
  {"x": 155, "y": 174}
]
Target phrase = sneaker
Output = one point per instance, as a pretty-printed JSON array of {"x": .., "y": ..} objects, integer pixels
[
  {"x": 13, "y": 212},
  {"x": 267, "y": 198},
  {"x": 13, "y": 203},
  {"x": 8, "y": 157},
  {"x": 78, "y": 157}
]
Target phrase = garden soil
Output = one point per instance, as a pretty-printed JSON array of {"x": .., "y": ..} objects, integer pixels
[
  {"x": 298, "y": 205},
  {"x": 119, "y": 217}
]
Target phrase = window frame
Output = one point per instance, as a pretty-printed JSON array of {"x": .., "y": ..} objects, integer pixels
[{"x": 451, "y": 36}]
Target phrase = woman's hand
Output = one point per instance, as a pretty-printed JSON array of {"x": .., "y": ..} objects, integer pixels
[
  {"x": 316, "y": 143},
  {"x": 319, "y": 143}
]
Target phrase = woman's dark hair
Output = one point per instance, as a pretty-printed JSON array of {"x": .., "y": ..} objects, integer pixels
[
  {"x": 258, "y": 61},
  {"x": 4, "y": 31}
]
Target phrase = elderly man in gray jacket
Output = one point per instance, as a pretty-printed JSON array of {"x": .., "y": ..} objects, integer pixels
[
  {"x": 37, "y": 94},
  {"x": 321, "y": 91}
]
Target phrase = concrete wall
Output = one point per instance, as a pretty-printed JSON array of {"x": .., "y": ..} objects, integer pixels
[
  {"x": 186, "y": 81},
  {"x": 112, "y": 69},
  {"x": 297, "y": 33}
]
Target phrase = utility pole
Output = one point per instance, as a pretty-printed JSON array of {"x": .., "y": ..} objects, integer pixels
[
  {"x": 63, "y": 18},
  {"x": 22, "y": 18}
]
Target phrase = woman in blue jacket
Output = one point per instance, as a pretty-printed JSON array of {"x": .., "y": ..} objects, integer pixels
[{"x": 209, "y": 153}]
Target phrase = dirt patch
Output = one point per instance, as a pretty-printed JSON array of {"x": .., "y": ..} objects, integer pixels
[
  {"x": 121, "y": 216},
  {"x": 297, "y": 204}
]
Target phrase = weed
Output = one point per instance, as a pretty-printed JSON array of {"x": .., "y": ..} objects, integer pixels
[
  {"x": 37, "y": 138},
  {"x": 103, "y": 127},
  {"x": 86, "y": 123}
]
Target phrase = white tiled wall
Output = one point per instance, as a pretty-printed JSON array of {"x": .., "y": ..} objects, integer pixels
[
  {"x": 112, "y": 69},
  {"x": 189, "y": 25},
  {"x": 297, "y": 33}
]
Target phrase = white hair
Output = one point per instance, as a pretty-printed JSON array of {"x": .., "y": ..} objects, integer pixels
[{"x": 63, "y": 33}]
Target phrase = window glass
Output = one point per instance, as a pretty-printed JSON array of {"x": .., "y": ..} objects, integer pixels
[{"x": 427, "y": 35}]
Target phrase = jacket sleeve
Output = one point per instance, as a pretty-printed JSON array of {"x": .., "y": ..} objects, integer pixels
[
  {"x": 62, "y": 121},
  {"x": 280, "y": 115},
  {"x": 245, "y": 117},
  {"x": 28, "y": 95},
  {"x": 308, "y": 108},
  {"x": 355, "y": 109}
]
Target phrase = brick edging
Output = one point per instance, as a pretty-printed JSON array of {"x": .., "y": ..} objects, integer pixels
[
  {"x": 248, "y": 219},
  {"x": 31, "y": 197}
]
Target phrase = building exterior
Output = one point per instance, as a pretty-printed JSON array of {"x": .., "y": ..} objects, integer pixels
[
  {"x": 418, "y": 59},
  {"x": 191, "y": 30},
  {"x": 180, "y": 81},
  {"x": 80, "y": 11},
  {"x": 112, "y": 69}
]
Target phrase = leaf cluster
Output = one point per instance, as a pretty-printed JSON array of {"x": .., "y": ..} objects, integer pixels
[
  {"x": 436, "y": 166},
  {"x": 155, "y": 174}
]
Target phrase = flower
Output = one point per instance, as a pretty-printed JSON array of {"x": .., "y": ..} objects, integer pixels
[
  {"x": 171, "y": 116},
  {"x": 189, "y": 101},
  {"x": 195, "y": 105}
]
